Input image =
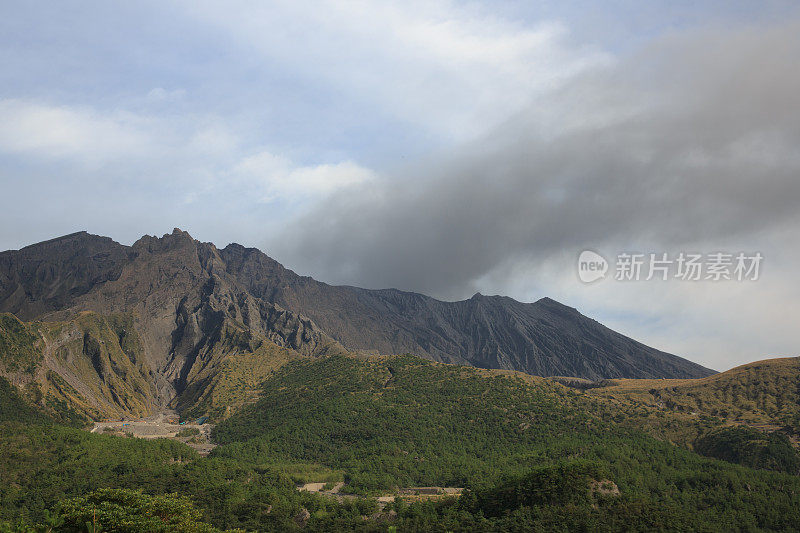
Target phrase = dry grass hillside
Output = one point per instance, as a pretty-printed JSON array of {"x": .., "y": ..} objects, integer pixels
[{"x": 764, "y": 395}]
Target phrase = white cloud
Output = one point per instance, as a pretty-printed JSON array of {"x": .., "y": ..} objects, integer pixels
[
  {"x": 38, "y": 129},
  {"x": 198, "y": 156},
  {"x": 274, "y": 177},
  {"x": 451, "y": 69}
]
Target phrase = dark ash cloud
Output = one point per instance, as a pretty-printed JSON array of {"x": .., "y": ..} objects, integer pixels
[{"x": 694, "y": 139}]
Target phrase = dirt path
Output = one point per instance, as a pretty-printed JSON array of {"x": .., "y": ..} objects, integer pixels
[
  {"x": 318, "y": 488},
  {"x": 409, "y": 493},
  {"x": 422, "y": 493}
]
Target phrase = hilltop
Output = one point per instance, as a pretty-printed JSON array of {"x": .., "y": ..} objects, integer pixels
[{"x": 764, "y": 395}]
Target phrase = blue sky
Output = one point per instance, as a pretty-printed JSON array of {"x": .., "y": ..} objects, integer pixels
[{"x": 437, "y": 146}]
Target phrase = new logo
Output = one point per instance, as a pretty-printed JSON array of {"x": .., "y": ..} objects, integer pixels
[{"x": 591, "y": 266}]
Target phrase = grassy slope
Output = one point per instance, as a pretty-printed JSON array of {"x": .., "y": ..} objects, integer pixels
[
  {"x": 14, "y": 408},
  {"x": 92, "y": 365},
  {"x": 422, "y": 423},
  {"x": 764, "y": 394},
  {"x": 18, "y": 345},
  {"x": 105, "y": 353}
]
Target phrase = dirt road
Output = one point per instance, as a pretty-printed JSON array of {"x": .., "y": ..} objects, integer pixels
[{"x": 409, "y": 493}]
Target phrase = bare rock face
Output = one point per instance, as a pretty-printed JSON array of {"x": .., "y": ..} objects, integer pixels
[
  {"x": 191, "y": 303},
  {"x": 543, "y": 338},
  {"x": 49, "y": 276}
]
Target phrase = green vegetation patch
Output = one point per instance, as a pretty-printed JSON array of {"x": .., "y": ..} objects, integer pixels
[
  {"x": 14, "y": 408},
  {"x": 750, "y": 447},
  {"x": 17, "y": 345},
  {"x": 401, "y": 421},
  {"x": 187, "y": 432},
  {"x": 130, "y": 511}
]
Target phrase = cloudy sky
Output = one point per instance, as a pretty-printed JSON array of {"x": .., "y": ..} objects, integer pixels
[{"x": 435, "y": 146}]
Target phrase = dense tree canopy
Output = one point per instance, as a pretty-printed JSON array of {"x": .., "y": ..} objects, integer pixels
[{"x": 531, "y": 455}]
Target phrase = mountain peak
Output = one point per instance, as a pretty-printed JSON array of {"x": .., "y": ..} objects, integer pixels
[
  {"x": 179, "y": 232},
  {"x": 549, "y": 303},
  {"x": 76, "y": 237}
]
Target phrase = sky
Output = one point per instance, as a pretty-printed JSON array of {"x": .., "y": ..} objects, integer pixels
[{"x": 434, "y": 146}]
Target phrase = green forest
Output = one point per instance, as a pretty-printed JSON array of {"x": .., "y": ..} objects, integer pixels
[{"x": 530, "y": 454}]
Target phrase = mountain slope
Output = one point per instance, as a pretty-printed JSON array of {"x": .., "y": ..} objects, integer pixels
[
  {"x": 531, "y": 454},
  {"x": 543, "y": 338},
  {"x": 400, "y": 421},
  {"x": 91, "y": 364},
  {"x": 165, "y": 280},
  {"x": 49, "y": 275},
  {"x": 190, "y": 306}
]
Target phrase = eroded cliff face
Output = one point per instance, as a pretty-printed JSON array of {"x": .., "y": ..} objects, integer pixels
[
  {"x": 180, "y": 305},
  {"x": 48, "y": 276}
]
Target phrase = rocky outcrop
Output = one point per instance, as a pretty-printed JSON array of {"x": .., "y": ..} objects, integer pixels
[{"x": 182, "y": 305}]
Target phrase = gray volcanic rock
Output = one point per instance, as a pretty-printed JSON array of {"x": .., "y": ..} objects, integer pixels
[
  {"x": 542, "y": 338},
  {"x": 184, "y": 292},
  {"x": 49, "y": 275}
]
